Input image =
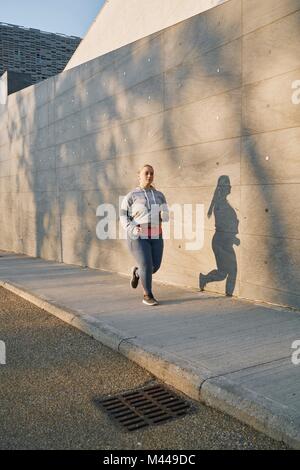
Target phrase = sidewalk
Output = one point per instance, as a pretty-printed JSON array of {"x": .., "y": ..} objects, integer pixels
[{"x": 231, "y": 354}]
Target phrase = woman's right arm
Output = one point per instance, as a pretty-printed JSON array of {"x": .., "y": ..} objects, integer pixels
[{"x": 127, "y": 221}]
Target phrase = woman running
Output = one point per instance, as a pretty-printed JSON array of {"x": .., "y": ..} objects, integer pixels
[{"x": 142, "y": 212}]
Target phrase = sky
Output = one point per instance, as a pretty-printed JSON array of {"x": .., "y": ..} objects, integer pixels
[{"x": 70, "y": 17}]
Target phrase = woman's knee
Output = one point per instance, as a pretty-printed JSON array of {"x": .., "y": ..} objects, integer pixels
[
  {"x": 157, "y": 255},
  {"x": 143, "y": 267},
  {"x": 156, "y": 267}
]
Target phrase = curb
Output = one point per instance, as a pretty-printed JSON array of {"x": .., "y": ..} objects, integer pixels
[
  {"x": 198, "y": 383},
  {"x": 262, "y": 414},
  {"x": 181, "y": 375}
]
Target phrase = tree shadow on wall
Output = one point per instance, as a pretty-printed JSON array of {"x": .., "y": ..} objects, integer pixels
[{"x": 226, "y": 224}]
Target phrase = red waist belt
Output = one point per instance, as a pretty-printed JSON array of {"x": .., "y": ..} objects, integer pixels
[{"x": 149, "y": 231}]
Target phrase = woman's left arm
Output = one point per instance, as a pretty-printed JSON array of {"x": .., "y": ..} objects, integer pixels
[{"x": 164, "y": 210}]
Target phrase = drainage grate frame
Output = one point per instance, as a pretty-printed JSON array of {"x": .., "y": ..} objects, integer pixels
[{"x": 147, "y": 406}]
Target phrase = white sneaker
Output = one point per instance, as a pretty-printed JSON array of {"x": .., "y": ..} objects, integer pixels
[{"x": 147, "y": 300}]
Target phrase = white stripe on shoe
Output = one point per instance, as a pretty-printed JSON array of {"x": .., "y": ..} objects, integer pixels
[{"x": 151, "y": 301}]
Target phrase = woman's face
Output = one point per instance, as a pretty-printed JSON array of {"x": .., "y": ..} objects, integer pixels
[{"x": 146, "y": 176}]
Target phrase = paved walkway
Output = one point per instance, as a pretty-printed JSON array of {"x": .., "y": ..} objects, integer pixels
[{"x": 232, "y": 354}]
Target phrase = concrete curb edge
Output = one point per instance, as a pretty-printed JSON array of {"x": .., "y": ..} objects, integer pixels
[{"x": 197, "y": 383}]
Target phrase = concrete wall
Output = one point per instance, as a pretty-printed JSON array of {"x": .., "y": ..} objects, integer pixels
[
  {"x": 121, "y": 22},
  {"x": 207, "y": 97}
]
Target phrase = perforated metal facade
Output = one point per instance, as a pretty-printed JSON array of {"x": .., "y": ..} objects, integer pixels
[{"x": 34, "y": 52}]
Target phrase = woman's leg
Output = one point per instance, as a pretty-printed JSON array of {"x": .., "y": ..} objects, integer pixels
[
  {"x": 141, "y": 250},
  {"x": 157, "y": 248}
]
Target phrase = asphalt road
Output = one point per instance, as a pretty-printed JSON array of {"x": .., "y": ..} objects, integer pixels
[{"x": 52, "y": 376}]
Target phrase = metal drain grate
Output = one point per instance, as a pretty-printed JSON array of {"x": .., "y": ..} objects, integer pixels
[{"x": 147, "y": 406}]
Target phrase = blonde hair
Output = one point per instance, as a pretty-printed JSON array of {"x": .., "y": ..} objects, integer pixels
[{"x": 144, "y": 166}]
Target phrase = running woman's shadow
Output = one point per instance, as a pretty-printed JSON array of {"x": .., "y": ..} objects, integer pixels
[{"x": 226, "y": 224}]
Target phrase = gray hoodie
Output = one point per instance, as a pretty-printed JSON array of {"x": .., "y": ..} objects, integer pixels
[{"x": 143, "y": 206}]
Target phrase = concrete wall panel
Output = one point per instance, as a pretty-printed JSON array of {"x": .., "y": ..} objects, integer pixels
[
  {"x": 5, "y": 168},
  {"x": 37, "y": 181},
  {"x": 209, "y": 74},
  {"x": 100, "y": 86},
  {"x": 276, "y": 210},
  {"x": 271, "y": 157},
  {"x": 141, "y": 100},
  {"x": 140, "y": 64},
  {"x": 140, "y": 136},
  {"x": 178, "y": 100},
  {"x": 215, "y": 118},
  {"x": 4, "y": 152},
  {"x": 257, "y": 14},
  {"x": 273, "y": 296},
  {"x": 44, "y": 159},
  {"x": 188, "y": 40},
  {"x": 268, "y": 105},
  {"x": 189, "y": 166},
  {"x": 43, "y": 92},
  {"x": 97, "y": 146},
  {"x": 66, "y": 80},
  {"x": 7, "y": 186},
  {"x": 272, "y": 50},
  {"x": 68, "y": 153},
  {"x": 23, "y": 102},
  {"x": 67, "y": 103},
  {"x": 96, "y": 65},
  {"x": 99, "y": 116},
  {"x": 41, "y": 138},
  {"x": 41, "y": 116},
  {"x": 271, "y": 263},
  {"x": 66, "y": 129}
]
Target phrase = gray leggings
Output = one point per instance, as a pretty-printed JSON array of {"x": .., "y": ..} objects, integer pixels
[{"x": 148, "y": 255}]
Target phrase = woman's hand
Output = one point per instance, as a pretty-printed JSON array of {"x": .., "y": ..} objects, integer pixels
[{"x": 236, "y": 241}]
